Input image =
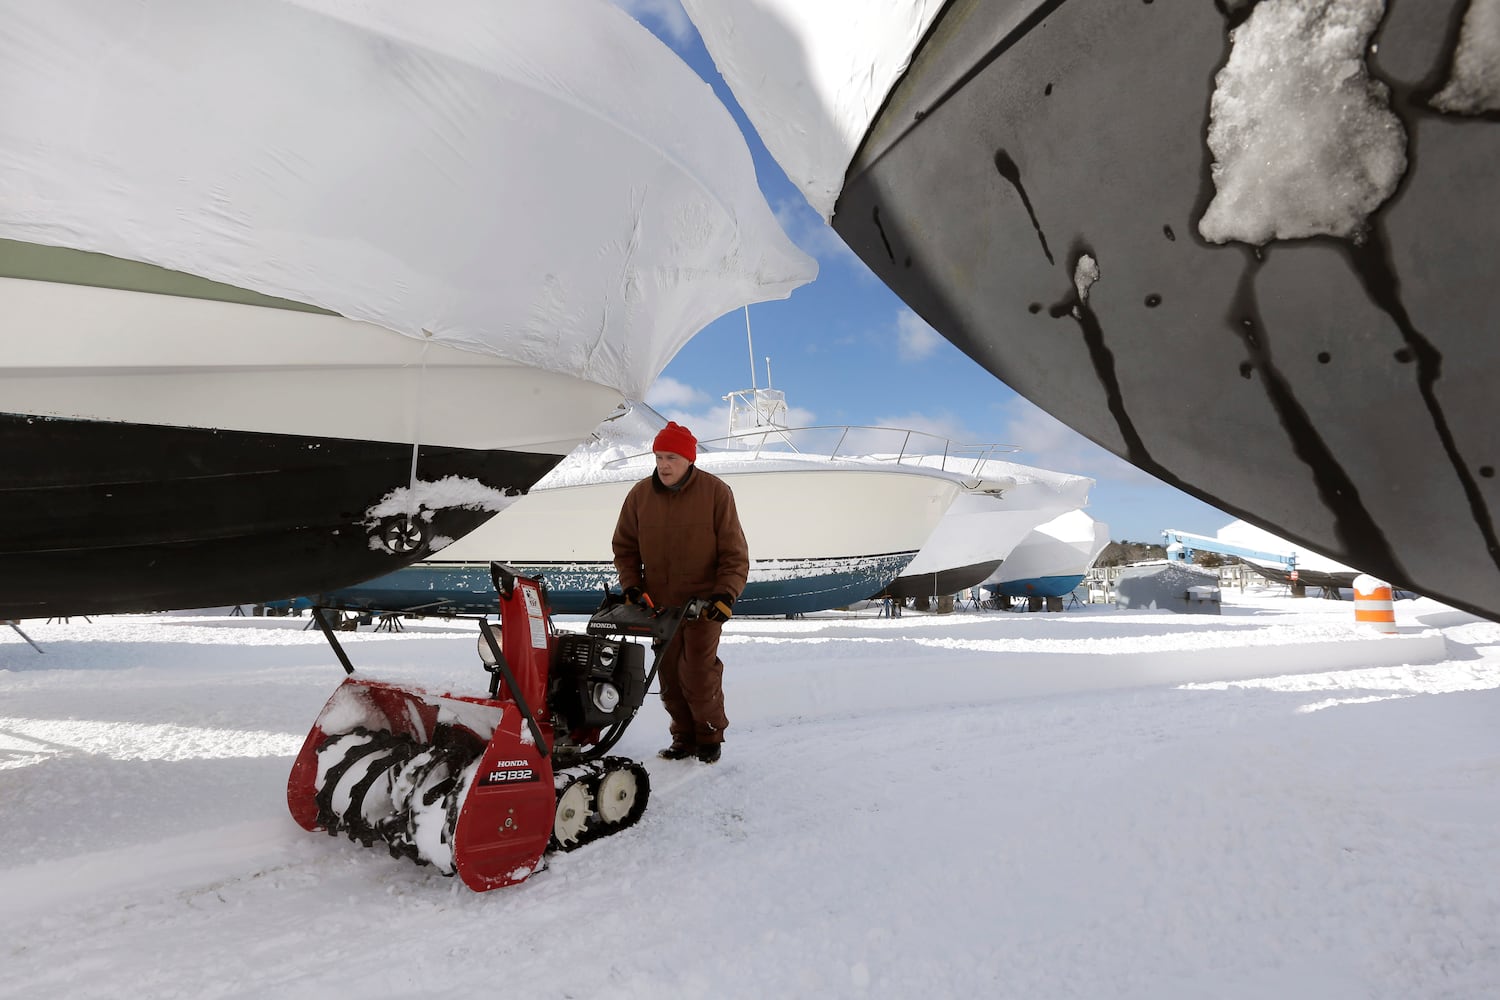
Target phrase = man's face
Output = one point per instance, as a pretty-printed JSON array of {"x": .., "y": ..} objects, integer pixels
[{"x": 671, "y": 467}]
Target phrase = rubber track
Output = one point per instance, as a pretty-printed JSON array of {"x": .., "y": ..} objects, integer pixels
[{"x": 593, "y": 772}]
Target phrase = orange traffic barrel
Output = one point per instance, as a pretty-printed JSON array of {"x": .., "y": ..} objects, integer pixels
[{"x": 1372, "y": 604}]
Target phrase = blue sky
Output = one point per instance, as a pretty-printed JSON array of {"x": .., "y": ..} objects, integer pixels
[{"x": 846, "y": 350}]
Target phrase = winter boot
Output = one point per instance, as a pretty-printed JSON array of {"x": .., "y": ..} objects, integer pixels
[
  {"x": 678, "y": 751},
  {"x": 709, "y": 752}
]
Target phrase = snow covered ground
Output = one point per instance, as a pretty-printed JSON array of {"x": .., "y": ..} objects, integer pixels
[{"x": 1098, "y": 803}]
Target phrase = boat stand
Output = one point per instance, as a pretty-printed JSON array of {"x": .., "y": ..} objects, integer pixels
[{"x": 23, "y": 635}]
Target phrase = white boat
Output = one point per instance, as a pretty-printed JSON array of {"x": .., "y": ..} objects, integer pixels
[
  {"x": 1053, "y": 558},
  {"x": 1311, "y": 569},
  {"x": 982, "y": 528},
  {"x": 825, "y": 528},
  {"x": 297, "y": 292}
]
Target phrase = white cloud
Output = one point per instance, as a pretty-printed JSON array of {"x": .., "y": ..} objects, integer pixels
[
  {"x": 1043, "y": 440},
  {"x": 915, "y": 340},
  {"x": 703, "y": 413},
  {"x": 796, "y": 416},
  {"x": 944, "y": 425},
  {"x": 668, "y": 393},
  {"x": 667, "y": 15},
  {"x": 705, "y": 423},
  {"x": 1047, "y": 442},
  {"x": 934, "y": 434}
]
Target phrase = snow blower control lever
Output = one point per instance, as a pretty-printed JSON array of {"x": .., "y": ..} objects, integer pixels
[{"x": 484, "y": 785}]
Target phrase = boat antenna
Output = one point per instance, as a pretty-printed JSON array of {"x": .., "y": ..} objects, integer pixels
[
  {"x": 768, "y": 371},
  {"x": 751, "y": 344}
]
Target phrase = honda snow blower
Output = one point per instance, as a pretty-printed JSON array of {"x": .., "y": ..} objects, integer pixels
[{"x": 484, "y": 786}]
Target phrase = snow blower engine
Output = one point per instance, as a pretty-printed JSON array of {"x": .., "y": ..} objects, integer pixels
[{"x": 483, "y": 786}]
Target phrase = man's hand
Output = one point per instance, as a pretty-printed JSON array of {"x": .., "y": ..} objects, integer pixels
[
  {"x": 638, "y": 597},
  {"x": 719, "y": 608}
]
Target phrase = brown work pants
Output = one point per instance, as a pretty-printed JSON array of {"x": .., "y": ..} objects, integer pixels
[{"x": 692, "y": 684}]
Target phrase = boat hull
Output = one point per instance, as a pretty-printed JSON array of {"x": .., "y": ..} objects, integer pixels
[
  {"x": 775, "y": 587},
  {"x": 264, "y": 365},
  {"x": 116, "y": 517},
  {"x": 981, "y": 528},
  {"x": 1329, "y": 582},
  {"x": 1053, "y": 559},
  {"x": 1337, "y": 393},
  {"x": 1039, "y": 586},
  {"x": 165, "y": 450},
  {"x": 940, "y": 583},
  {"x": 819, "y": 539}
]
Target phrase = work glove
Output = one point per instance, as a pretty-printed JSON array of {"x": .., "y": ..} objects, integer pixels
[
  {"x": 718, "y": 609},
  {"x": 638, "y": 597}
]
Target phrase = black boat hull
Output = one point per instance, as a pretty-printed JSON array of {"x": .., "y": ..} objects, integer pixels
[
  {"x": 1329, "y": 583},
  {"x": 948, "y": 581},
  {"x": 106, "y": 517},
  {"x": 1339, "y": 395}
]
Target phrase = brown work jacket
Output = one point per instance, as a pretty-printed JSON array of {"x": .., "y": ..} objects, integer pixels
[{"x": 683, "y": 543}]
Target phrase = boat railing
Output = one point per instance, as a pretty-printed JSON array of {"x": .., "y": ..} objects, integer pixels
[{"x": 850, "y": 442}]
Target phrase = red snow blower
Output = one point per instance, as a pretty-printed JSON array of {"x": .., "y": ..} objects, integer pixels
[{"x": 483, "y": 786}]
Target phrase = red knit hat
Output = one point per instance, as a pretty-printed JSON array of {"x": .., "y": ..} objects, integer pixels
[{"x": 678, "y": 440}]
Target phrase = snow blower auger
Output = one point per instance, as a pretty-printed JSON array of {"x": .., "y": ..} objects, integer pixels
[{"x": 483, "y": 786}]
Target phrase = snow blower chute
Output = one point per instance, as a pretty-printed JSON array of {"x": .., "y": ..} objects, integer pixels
[{"x": 483, "y": 786}]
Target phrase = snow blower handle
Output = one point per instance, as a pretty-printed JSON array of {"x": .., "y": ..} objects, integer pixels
[
  {"x": 670, "y": 619},
  {"x": 694, "y": 609},
  {"x": 641, "y": 599},
  {"x": 666, "y": 623}
]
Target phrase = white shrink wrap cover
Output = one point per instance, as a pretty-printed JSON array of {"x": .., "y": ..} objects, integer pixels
[
  {"x": 541, "y": 180},
  {"x": 812, "y": 74}
]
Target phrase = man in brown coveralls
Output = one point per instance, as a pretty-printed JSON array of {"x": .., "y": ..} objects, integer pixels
[{"x": 679, "y": 537}]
